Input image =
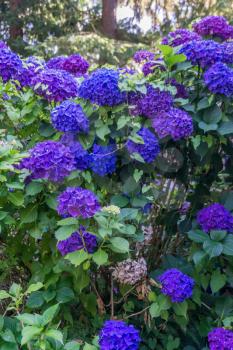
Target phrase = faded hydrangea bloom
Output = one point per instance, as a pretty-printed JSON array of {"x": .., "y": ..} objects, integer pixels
[
  {"x": 49, "y": 160},
  {"x": 177, "y": 285},
  {"x": 103, "y": 159},
  {"x": 130, "y": 271},
  {"x": 215, "y": 217},
  {"x": 117, "y": 335},
  {"x": 149, "y": 149},
  {"x": 69, "y": 116},
  {"x": 148, "y": 233},
  {"x": 111, "y": 209},
  {"x": 101, "y": 88},
  {"x": 175, "y": 123},
  {"x": 216, "y": 26},
  {"x": 220, "y": 339},
  {"x": 179, "y": 37},
  {"x": 219, "y": 79},
  {"x": 77, "y": 241},
  {"x": 78, "y": 202}
]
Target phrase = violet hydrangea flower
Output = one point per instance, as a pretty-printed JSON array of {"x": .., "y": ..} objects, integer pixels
[
  {"x": 103, "y": 159},
  {"x": 55, "y": 85},
  {"x": 101, "y": 88},
  {"x": 78, "y": 202},
  {"x": 49, "y": 160},
  {"x": 180, "y": 37},
  {"x": 143, "y": 55},
  {"x": 215, "y": 217},
  {"x": 175, "y": 123},
  {"x": 214, "y": 26},
  {"x": 118, "y": 335},
  {"x": 10, "y": 65},
  {"x": 149, "y": 150},
  {"x": 56, "y": 62},
  {"x": 77, "y": 241},
  {"x": 220, "y": 339},
  {"x": 177, "y": 285},
  {"x": 31, "y": 67},
  {"x": 151, "y": 103},
  {"x": 219, "y": 79},
  {"x": 227, "y": 48},
  {"x": 69, "y": 116},
  {"x": 3, "y": 45},
  {"x": 151, "y": 66},
  {"x": 75, "y": 64}
]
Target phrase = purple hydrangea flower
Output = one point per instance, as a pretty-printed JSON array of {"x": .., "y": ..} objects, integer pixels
[
  {"x": 77, "y": 241},
  {"x": 149, "y": 150},
  {"x": 75, "y": 64},
  {"x": 3, "y": 45},
  {"x": 55, "y": 62},
  {"x": 151, "y": 103},
  {"x": 10, "y": 65},
  {"x": 151, "y": 66},
  {"x": 219, "y": 79},
  {"x": 175, "y": 123},
  {"x": 203, "y": 52},
  {"x": 220, "y": 339},
  {"x": 78, "y": 202},
  {"x": 143, "y": 55},
  {"x": 227, "y": 48},
  {"x": 31, "y": 67},
  {"x": 49, "y": 160},
  {"x": 55, "y": 85},
  {"x": 181, "y": 91},
  {"x": 118, "y": 335},
  {"x": 215, "y": 217},
  {"x": 69, "y": 116},
  {"x": 214, "y": 26},
  {"x": 81, "y": 156},
  {"x": 103, "y": 159},
  {"x": 101, "y": 88},
  {"x": 180, "y": 37},
  {"x": 176, "y": 285}
]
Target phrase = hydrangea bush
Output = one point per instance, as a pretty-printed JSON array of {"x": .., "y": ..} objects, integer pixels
[{"x": 116, "y": 198}]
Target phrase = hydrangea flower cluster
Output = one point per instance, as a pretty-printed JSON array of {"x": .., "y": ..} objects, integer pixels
[
  {"x": 227, "y": 48},
  {"x": 31, "y": 67},
  {"x": 49, "y": 160},
  {"x": 180, "y": 37},
  {"x": 69, "y": 116},
  {"x": 203, "y": 52},
  {"x": 151, "y": 66},
  {"x": 177, "y": 285},
  {"x": 149, "y": 149},
  {"x": 55, "y": 85},
  {"x": 130, "y": 271},
  {"x": 3, "y": 45},
  {"x": 77, "y": 241},
  {"x": 143, "y": 55},
  {"x": 215, "y": 217},
  {"x": 55, "y": 62},
  {"x": 101, "y": 88},
  {"x": 151, "y": 103},
  {"x": 103, "y": 159},
  {"x": 78, "y": 202},
  {"x": 220, "y": 339},
  {"x": 175, "y": 123},
  {"x": 81, "y": 156},
  {"x": 214, "y": 26},
  {"x": 219, "y": 79},
  {"x": 74, "y": 64},
  {"x": 10, "y": 65},
  {"x": 118, "y": 335}
]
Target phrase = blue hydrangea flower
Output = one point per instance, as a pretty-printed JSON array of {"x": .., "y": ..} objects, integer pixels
[
  {"x": 3, "y": 45},
  {"x": 175, "y": 123},
  {"x": 49, "y": 160},
  {"x": 117, "y": 335},
  {"x": 179, "y": 37},
  {"x": 203, "y": 52},
  {"x": 215, "y": 217},
  {"x": 31, "y": 67},
  {"x": 149, "y": 150},
  {"x": 56, "y": 62},
  {"x": 216, "y": 26},
  {"x": 10, "y": 65},
  {"x": 103, "y": 159},
  {"x": 69, "y": 116},
  {"x": 151, "y": 103},
  {"x": 219, "y": 79},
  {"x": 177, "y": 285},
  {"x": 143, "y": 55},
  {"x": 77, "y": 241},
  {"x": 101, "y": 88},
  {"x": 220, "y": 339},
  {"x": 227, "y": 48},
  {"x": 55, "y": 85},
  {"x": 77, "y": 202}
]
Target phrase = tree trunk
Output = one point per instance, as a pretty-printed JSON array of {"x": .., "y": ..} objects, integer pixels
[
  {"x": 16, "y": 30},
  {"x": 109, "y": 23}
]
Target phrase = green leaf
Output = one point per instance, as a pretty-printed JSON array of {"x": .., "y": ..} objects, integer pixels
[
  {"x": 137, "y": 174},
  {"x": 64, "y": 232},
  {"x": 73, "y": 345},
  {"x": 218, "y": 235},
  {"x": 29, "y": 332},
  {"x": 213, "y": 248},
  {"x": 65, "y": 294},
  {"x": 207, "y": 127},
  {"x": 164, "y": 302},
  {"x": 34, "y": 188},
  {"x": 55, "y": 334},
  {"x": 198, "y": 256},
  {"x": 165, "y": 49},
  {"x": 67, "y": 222},
  {"x": 119, "y": 200},
  {"x": 49, "y": 314},
  {"x": 34, "y": 287},
  {"x": 29, "y": 214},
  {"x": 212, "y": 115},
  {"x": 122, "y": 121},
  {"x": 4, "y": 295},
  {"x": 27, "y": 319},
  {"x": 78, "y": 257},
  {"x": 198, "y": 236},
  {"x": 203, "y": 104},
  {"x": 136, "y": 139},
  {"x": 172, "y": 60},
  {"x": 181, "y": 308},
  {"x": 119, "y": 245},
  {"x": 35, "y": 300},
  {"x": 154, "y": 310},
  {"x": 228, "y": 245},
  {"x": 226, "y": 128},
  {"x": 15, "y": 290},
  {"x": 17, "y": 198},
  {"x": 217, "y": 281},
  {"x": 100, "y": 257},
  {"x": 102, "y": 131},
  {"x": 89, "y": 347}
]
